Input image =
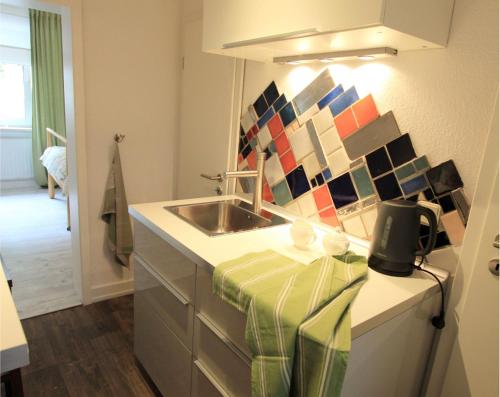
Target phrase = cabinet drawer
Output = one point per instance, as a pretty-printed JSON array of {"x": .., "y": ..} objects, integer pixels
[
  {"x": 230, "y": 368},
  {"x": 226, "y": 318},
  {"x": 165, "y": 260},
  {"x": 176, "y": 312},
  {"x": 163, "y": 356},
  {"x": 204, "y": 383}
]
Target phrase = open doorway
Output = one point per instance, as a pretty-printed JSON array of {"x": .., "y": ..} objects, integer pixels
[{"x": 37, "y": 244}]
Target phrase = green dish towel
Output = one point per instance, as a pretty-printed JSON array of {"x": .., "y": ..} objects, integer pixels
[{"x": 298, "y": 320}]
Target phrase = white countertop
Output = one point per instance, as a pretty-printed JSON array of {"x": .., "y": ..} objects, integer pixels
[
  {"x": 380, "y": 299},
  {"x": 13, "y": 345}
]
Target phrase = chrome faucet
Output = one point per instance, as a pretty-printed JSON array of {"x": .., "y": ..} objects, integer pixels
[{"x": 258, "y": 174}]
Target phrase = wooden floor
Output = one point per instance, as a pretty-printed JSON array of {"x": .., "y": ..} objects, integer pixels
[
  {"x": 85, "y": 351},
  {"x": 36, "y": 248}
]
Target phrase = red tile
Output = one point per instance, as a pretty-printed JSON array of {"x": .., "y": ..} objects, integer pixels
[
  {"x": 329, "y": 216},
  {"x": 288, "y": 162},
  {"x": 267, "y": 194},
  {"x": 240, "y": 158},
  {"x": 365, "y": 111},
  {"x": 252, "y": 160},
  {"x": 255, "y": 129},
  {"x": 322, "y": 197},
  {"x": 249, "y": 135},
  {"x": 345, "y": 123},
  {"x": 275, "y": 126},
  {"x": 282, "y": 144}
]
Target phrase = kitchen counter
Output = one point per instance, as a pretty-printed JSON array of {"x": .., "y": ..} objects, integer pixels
[{"x": 380, "y": 299}]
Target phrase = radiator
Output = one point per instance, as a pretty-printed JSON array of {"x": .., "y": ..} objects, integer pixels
[{"x": 16, "y": 161}]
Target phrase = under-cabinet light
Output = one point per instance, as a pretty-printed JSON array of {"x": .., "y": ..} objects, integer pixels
[{"x": 363, "y": 54}]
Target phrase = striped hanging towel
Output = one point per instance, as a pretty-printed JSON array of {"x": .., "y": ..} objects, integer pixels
[{"x": 298, "y": 319}]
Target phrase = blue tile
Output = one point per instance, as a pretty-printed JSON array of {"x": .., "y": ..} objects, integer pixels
[
  {"x": 297, "y": 182},
  {"x": 414, "y": 185},
  {"x": 265, "y": 118},
  {"x": 272, "y": 147},
  {"x": 401, "y": 150},
  {"x": 387, "y": 187},
  {"x": 327, "y": 174},
  {"x": 320, "y": 179},
  {"x": 330, "y": 96},
  {"x": 246, "y": 151},
  {"x": 342, "y": 191},
  {"x": 260, "y": 105},
  {"x": 378, "y": 162},
  {"x": 271, "y": 93},
  {"x": 444, "y": 177},
  {"x": 287, "y": 114},
  {"x": 344, "y": 101},
  {"x": 279, "y": 103}
]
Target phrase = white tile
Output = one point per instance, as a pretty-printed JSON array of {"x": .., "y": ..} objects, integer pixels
[
  {"x": 338, "y": 162},
  {"x": 436, "y": 208},
  {"x": 308, "y": 114},
  {"x": 243, "y": 165},
  {"x": 330, "y": 140},
  {"x": 273, "y": 170},
  {"x": 323, "y": 120},
  {"x": 307, "y": 205},
  {"x": 311, "y": 165},
  {"x": 315, "y": 218},
  {"x": 293, "y": 207},
  {"x": 369, "y": 217},
  {"x": 264, "y": 137},
  {"x": 354, "y": 226},
  {"x": 301, "y": 143},
  {"x": 247, "y": 121}
]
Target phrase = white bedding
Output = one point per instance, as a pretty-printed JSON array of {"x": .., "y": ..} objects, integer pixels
[{"x": 54, "y": 159}]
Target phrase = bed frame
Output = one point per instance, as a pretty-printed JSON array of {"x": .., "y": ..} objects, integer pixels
[{"x": 52, "y": 181}]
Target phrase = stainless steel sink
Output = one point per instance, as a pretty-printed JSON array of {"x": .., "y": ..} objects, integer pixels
[{"x": 222, "y": 217}]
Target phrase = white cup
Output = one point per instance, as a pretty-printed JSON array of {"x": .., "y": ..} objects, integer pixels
[
  {"x": 302, "y": 234},
  {"x": 335, "y": 243}
]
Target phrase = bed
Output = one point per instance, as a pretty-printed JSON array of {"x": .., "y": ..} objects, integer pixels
[{"x": 55, "y": 162}]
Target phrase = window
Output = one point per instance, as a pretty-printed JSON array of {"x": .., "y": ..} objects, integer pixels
[{"x": 15, "y": 95}]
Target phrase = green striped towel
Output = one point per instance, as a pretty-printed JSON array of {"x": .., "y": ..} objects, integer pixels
[{"x": 298, "y": 320}]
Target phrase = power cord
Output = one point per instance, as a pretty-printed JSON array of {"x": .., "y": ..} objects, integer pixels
[{"x": 437, "y": 321}]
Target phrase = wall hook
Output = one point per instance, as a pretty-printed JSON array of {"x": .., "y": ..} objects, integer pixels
[{"x": 119, "y": 138}]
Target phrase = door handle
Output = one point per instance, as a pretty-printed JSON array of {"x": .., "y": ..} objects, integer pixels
[{"x": 493, "y": 265}]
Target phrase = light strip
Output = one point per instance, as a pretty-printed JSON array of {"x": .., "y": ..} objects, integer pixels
[{"x": 378, "y": 52}]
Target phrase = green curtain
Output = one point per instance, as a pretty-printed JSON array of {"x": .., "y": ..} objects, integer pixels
[{"x": 48, "y": 83}]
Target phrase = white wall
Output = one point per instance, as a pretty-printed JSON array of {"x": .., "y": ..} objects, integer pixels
[{"x": 444, "y": 98}]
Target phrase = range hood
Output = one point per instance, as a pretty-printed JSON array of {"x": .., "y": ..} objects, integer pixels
[{"x": 294, "y": 30}]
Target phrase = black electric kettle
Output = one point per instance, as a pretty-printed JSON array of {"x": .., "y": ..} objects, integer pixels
[{"x": 394, "y": 245}]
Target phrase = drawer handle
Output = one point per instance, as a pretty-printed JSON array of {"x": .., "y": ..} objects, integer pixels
[
  {"x": 207, "y": 323},
  {"x": 211, "y": 378},
  {"x": 162, "y": 281}
]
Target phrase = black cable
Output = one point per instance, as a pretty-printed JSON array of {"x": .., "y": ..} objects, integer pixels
[{"x": 437, "y": 321}]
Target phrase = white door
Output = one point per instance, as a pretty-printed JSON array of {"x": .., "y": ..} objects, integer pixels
[
  {"x": 473, "y": 366},
  {"x": 207, "y": 125}
]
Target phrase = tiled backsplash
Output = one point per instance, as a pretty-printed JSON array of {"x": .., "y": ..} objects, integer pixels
[{"x": 331, "y": 156}]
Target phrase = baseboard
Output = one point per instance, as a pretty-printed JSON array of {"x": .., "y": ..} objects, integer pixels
[
  {"x": 6, "y": 185},
  {"x": 112, "y": 290}
]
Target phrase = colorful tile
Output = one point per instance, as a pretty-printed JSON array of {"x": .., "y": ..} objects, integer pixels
[
  {"x": 267, "y": 194},
  {"x": 461, "y": 204},
  {"x": 271, "y": 93},
  {"x": 330, "y": 140},
  {"x": 372, "y": 136},
  {"x": 246, "y": 151},
  {"x": 253, "y": 143},
  {"x": 308, "y": 114},
  {"x": 319, "y": 179},
  {"x": 327, "y": 174},
  {"x": 311, "y": 165},
  {"x": 322, "y": 197},
  {"x": 247, "y": 121},
  {"x": 316, "y": 90},
  {"x": 365, "y": 111},
  {"x": 288, "y": 162},
  {"x": 313, "y": 136},
  {"x": 444, "y": 178},
  {"x": 313, "y": 182},
  {"x": 307, "y": 205},
  {"x": 323, "y": 120},
  {"x": 405, "y": 171},
  {"x": 298, "y": 182},
  {"x": 252, "y": 160},
  {"x": 446, "y": 203},
  {"x": 414, "y": 185},
  {"x": 401, "y": 150},
  {"x": 265, "y": 117},
  {"x": 275, "y": 126},
  {"x": 260, "y": 106},
  {"x": 301, "y": 143},
  {"x": 454, "y": 227},
  {"x": 264, "y": 137},
  {"x": 328, "y": 98},
  {"x": 281, "y": 193},
  {"x": 363, "y": 182},
  {"x": 442, "y": 240},
  {"x": 329, "y": 216},
  {"x": 344, "y": 101},
  {"x": 279, "y": 103},
  {"x": 345, "y": 123},
  {"x": 387, "y": 187},
  {"x": 287, "y": 114},
  {"x": 342, "y": 191},
  {"x": 338, "y": 162},
  {"x": 422, "y": 164},
  {"x": 272, "y": 147},
  {"x": 282, "y": 144},
  {"x": 273, "y": 170},
  {"x": 378, "y": 162}
]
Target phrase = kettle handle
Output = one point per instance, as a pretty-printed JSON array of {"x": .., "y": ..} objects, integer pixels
[{"x": 431, "y": 217}]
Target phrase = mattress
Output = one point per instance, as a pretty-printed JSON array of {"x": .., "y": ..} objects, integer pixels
[{"x": 54, "y": 160}]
